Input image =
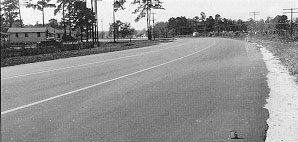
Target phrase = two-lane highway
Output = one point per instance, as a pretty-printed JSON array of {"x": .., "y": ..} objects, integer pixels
[{"x": 196, "y": 89}]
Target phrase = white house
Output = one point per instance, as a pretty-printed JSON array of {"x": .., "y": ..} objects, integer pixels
[
  {"x": 29, "y": 35},
  {"x": 33, "y": 35}
]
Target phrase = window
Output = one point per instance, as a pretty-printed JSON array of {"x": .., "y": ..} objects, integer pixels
[
  {"x": 17, "y": 34},
  {"x": 26, "y": 34},
  {"x": 38, "y": 34},
  {"x": 58, "y": 36}
]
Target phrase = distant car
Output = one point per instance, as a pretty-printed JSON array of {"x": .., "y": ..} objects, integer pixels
[{"x": 48, "y": 43}]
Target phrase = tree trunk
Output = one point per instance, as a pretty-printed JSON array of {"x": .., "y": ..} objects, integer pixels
[
  {"x": 92, "y": 24},
  {"x": 81, "y": 31},
  {"x": 10, "y": 20},
  {"x": 42, "y": 17},
  {"x": 87, "y": 33},
  {"x": 69, "y": 18},
  {"x": 21, "y": 22},
  {"x": 148, "y": 23},
  {"x": 92, "y": 32},
  {"x": 63, "y": 15}
]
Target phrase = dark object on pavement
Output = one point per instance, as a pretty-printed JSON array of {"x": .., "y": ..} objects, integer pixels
[{"x": 234, "y": 135}]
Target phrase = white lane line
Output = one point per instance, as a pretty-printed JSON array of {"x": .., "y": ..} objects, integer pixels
[
  {"x": 101, "y": 83},
  {"x": 75, "y": 66}
]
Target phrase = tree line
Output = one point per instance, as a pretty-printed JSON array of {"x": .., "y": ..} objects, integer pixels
[
  {"x": 177, "y": 26},
  {"x": 75, "y": 14},
  {"x": 198, "y": 24}
]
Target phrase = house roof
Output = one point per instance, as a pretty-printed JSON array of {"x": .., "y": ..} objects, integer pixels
[
  {"x": 29, "y": 30},
  {"x": 26, "y": 30},
  {"x": 38, "y": 30}
]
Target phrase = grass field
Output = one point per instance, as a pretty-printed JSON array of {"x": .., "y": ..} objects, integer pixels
[{"x": 287, "y": 52}]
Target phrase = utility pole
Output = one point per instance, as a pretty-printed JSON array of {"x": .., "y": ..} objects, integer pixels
[
  {"x": 92, "y": 25},
  {"x": 148, "y": 11},
  {"x": 96, "y": 22},
  {"x": 114, "y": 21},
  {"x": 148, "y": 23},
  {"x": 254, "y": 13},
  {"x": 153, "y": 25},
  {"x": 291, "y": 24}
]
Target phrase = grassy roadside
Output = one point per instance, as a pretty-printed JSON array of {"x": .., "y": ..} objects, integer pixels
[
  {"x": 286, "y": 51},
  {"x": 104, "y": 47}
]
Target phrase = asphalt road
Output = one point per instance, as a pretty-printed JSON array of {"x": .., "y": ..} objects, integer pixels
[{"x": 190, "y": 90}]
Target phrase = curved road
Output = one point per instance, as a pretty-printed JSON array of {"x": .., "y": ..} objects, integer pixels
[{"x": 190, "y": 90}]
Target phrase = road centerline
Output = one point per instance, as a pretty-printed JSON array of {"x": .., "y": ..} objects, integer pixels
[{"x": 104, "y": 82}]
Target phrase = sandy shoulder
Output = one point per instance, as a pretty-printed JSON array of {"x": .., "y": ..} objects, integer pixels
[{"x": 282, "y": 103}]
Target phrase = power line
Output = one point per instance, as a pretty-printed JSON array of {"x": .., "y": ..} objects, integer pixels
[
  {"x": 291, "y": 11},
  {"x": 254, "y": 13}
]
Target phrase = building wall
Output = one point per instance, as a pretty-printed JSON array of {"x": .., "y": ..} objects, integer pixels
[{"x": 32, "y": 37}]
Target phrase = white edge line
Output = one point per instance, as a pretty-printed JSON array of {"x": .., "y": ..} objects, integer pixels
[
  {"x": 46, "y": 71},
  {"x": 81, "y": 89}
]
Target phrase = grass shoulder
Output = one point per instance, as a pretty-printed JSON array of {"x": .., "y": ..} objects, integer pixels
[
  {"x": 286, "y": 51},
  {"x": 102, "y": 47}
]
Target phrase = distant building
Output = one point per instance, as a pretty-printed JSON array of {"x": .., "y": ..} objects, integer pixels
[
  {"x": 29, "y": 35},
  {"x": 34, "y": 34}
]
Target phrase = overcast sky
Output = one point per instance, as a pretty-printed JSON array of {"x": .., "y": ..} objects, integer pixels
[{"x": 231, "y": 9}]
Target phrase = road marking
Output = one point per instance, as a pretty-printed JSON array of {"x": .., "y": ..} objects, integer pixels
[
  {"x": 101, "y": 83},
  {"x": 75, "y": 66}
]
